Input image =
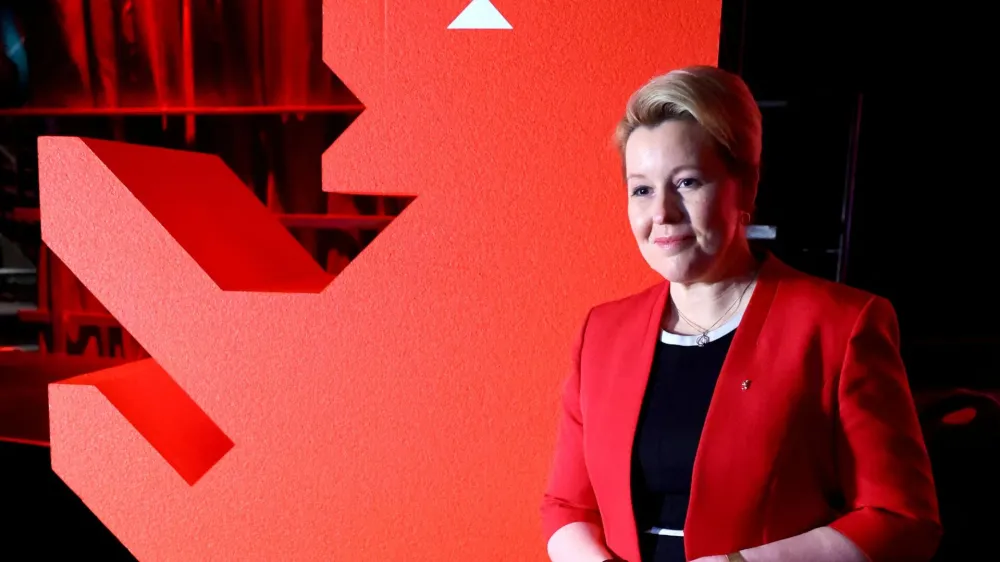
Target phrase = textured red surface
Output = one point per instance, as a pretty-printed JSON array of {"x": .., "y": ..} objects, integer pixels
[
  {"x": 406, "y": 411},
  {"x": 163, "y": 414},
  {"x": 234, "y": 238}
]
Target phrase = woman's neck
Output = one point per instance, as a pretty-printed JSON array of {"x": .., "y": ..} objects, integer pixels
[{"x": 712, "y": 300}]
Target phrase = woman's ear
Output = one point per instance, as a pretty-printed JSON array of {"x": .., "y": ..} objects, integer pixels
[{"x": 749, "y": 192}]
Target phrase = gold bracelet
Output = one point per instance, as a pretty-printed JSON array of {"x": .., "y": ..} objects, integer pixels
[{"x": 735, "y": 557}]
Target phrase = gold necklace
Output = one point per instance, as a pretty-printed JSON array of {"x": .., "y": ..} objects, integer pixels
[{"x": 703, "y": 339}]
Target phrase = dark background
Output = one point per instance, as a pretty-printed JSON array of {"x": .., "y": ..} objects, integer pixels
[
  {"x": 884, "y": 106},
  {"x": 878, "y": 171}
]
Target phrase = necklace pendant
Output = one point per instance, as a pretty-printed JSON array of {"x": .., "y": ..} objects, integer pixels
[{"x": 703, "y": 339}]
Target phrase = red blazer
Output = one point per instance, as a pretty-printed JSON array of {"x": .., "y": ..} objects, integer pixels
[{"x": 825, "y": 434}]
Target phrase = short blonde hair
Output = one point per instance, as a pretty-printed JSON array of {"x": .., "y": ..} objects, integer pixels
[{"x": 718, "y": 100}]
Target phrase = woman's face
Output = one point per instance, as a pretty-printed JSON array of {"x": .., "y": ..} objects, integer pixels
[{"x": 684, "y": 206}]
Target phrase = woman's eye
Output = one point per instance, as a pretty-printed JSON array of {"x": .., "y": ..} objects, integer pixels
[
  {"x": 640, "y": 191},
  {"x": 688, "y": 182}
]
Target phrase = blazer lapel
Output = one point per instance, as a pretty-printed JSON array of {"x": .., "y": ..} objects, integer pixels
[
  {"x": 732, "y": 462},
  {"x": 634, "y": 357}
]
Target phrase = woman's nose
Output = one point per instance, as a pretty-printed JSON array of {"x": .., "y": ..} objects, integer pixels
[{"x": 669, "y": 211}]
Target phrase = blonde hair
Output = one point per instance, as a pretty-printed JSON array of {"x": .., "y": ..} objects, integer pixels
[{"x": 718, "y": 100}]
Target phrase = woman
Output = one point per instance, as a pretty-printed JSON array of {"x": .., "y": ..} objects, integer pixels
[{"x": 740, "y": 410}]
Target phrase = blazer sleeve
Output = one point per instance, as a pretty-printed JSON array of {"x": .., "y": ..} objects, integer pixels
[
  {"x": 884, "y": 470},
  {"x": 569, "y": 496}
]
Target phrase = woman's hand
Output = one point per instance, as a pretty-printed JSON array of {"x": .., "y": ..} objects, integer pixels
[{"x": 720, "y": 558}]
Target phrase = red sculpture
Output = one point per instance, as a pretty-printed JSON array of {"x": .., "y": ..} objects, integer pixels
[{"x": 406, "y": 410}]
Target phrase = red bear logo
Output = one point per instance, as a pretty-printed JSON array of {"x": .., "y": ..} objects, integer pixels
[{"x": 406, "y": 410}]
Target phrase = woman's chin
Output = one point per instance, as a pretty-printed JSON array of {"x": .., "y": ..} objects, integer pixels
[{"x": 683, "y": 268}]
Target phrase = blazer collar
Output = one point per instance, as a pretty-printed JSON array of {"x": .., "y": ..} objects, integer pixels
[{"x": 710, "y": 493}]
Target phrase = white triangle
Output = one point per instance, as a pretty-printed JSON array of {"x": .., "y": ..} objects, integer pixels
[{"x": 480, "y": 14}]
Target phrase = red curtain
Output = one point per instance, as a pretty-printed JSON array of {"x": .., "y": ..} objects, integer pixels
[{"x": 245, "y": 52}]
